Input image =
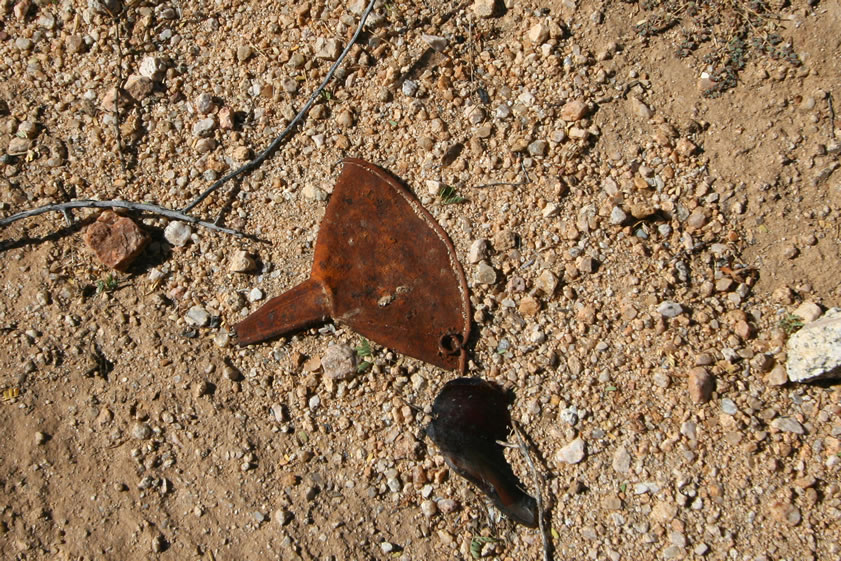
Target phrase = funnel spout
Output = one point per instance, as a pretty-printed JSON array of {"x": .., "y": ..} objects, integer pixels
[{"x": 304, "y": 306}]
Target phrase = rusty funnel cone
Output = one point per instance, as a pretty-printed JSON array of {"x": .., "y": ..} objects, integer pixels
[{"x": 384, "y": 267}]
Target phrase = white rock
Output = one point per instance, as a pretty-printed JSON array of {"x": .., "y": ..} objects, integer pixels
[
  {"x": 478, "y": 250},
  {"x": 197, "y": 316},
  {"x": 410, "y": 88},
  {"x": 621, "y": 460},
  {"x": 255, "y": 295},
  {"x": 221, "y": 339},
  {"x": 572, "y": 453},
  {"x": 429, "y": 508},
  {"x": 550, "y": 210},
  {"x": 310, "y": 191},
  {"x": 814, "y": 352},
  {"x": 204, "y": 103},
  {"x": 503, "y": 111},
  {"x": 433, "y": 186},
  {"x": 153, "y": 68},
  {"x": 204, "y": 127},
  {"x": 178, "y": 233}
]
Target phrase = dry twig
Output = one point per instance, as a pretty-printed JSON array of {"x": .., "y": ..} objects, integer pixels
[
  {"x": 142, "y": 207},
  {"x": 538, "y": 484},
  {"x": 262, "y": 156}
]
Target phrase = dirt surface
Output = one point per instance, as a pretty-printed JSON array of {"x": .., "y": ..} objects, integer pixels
[{"x": 132, "y": 433}]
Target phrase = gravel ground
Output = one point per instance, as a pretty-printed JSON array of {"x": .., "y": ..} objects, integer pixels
[{"x": 637, "y": 253}]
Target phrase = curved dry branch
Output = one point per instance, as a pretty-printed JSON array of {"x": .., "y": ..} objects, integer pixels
[
  {"x": 262, "y": 156},
  {"x": 142, "y": 207}
]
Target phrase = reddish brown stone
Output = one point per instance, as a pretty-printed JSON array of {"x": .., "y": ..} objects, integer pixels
[
  {"x": 701, "y": 385},
  {"x": 115, "y": 239}
]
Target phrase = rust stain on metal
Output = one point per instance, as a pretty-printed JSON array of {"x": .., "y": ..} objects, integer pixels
[
  {"x": 384, "y": 267},
  {"x": 469, "y": 418}
]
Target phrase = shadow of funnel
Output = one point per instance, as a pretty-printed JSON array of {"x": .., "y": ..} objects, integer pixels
[{"x": 384, "y": 267}]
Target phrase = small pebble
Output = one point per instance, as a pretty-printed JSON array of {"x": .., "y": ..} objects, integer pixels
[
  {"x": 621, "y": 460},
  {"x": 339, "y": 362},
  {"x": 484, "y": 274},
  {"x": 617, "y": 216},
  {"x": 787, "y": 424},
  {"x": 574, "y": 111},
  {"x": 572, "y": 453},
  {"x": 728, "y": 407},
  {"x": 669, "y": 309},
  {"x": 232, "y": 374},
  {"x": 410, "y": 88},
  {"x": 701, "y": 385},
  {"x": 429, "y": 508},
  {"x": 178, "y": 233},
  {"x": 282, "y": 516},
  {"x": 197, "y": 316},
  {"x": 538, "y": 148},
  {"x": 447, "y": 506},
  {"x": 242, "y": 262},
  {"x": 204, "y": 103},
  {"x": 141, "y": 431},
  {"x": 484, "y": 8},
  {"x": 204, "y": 127}
]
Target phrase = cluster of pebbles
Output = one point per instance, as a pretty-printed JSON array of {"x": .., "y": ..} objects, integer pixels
[{"x": 608, "y": 287}]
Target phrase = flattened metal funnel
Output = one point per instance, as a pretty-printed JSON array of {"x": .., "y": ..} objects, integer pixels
[{"x": 384, "y": 267}]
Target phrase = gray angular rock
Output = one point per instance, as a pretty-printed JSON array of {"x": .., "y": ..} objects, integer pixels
[
  {"x": 787, "y": 424},
  {"x": 617, "y": 216},
  {"x": 204, "y": 127},
  {"x": 197, "y": 315},
  {"x": 814, "y": 352},
  {"x": 669, "y": 309},
  {"x": 328, "y": 49},
  {"x": 484, "y": 274}
]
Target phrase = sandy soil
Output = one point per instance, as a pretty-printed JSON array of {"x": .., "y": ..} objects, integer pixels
[{"x": 130, "y": 433}]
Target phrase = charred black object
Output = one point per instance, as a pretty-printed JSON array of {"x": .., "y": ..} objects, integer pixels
[{"x": 469, "y": 416}]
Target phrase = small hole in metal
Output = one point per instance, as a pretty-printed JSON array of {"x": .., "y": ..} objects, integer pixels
[{"x": 450, "y": 343}]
